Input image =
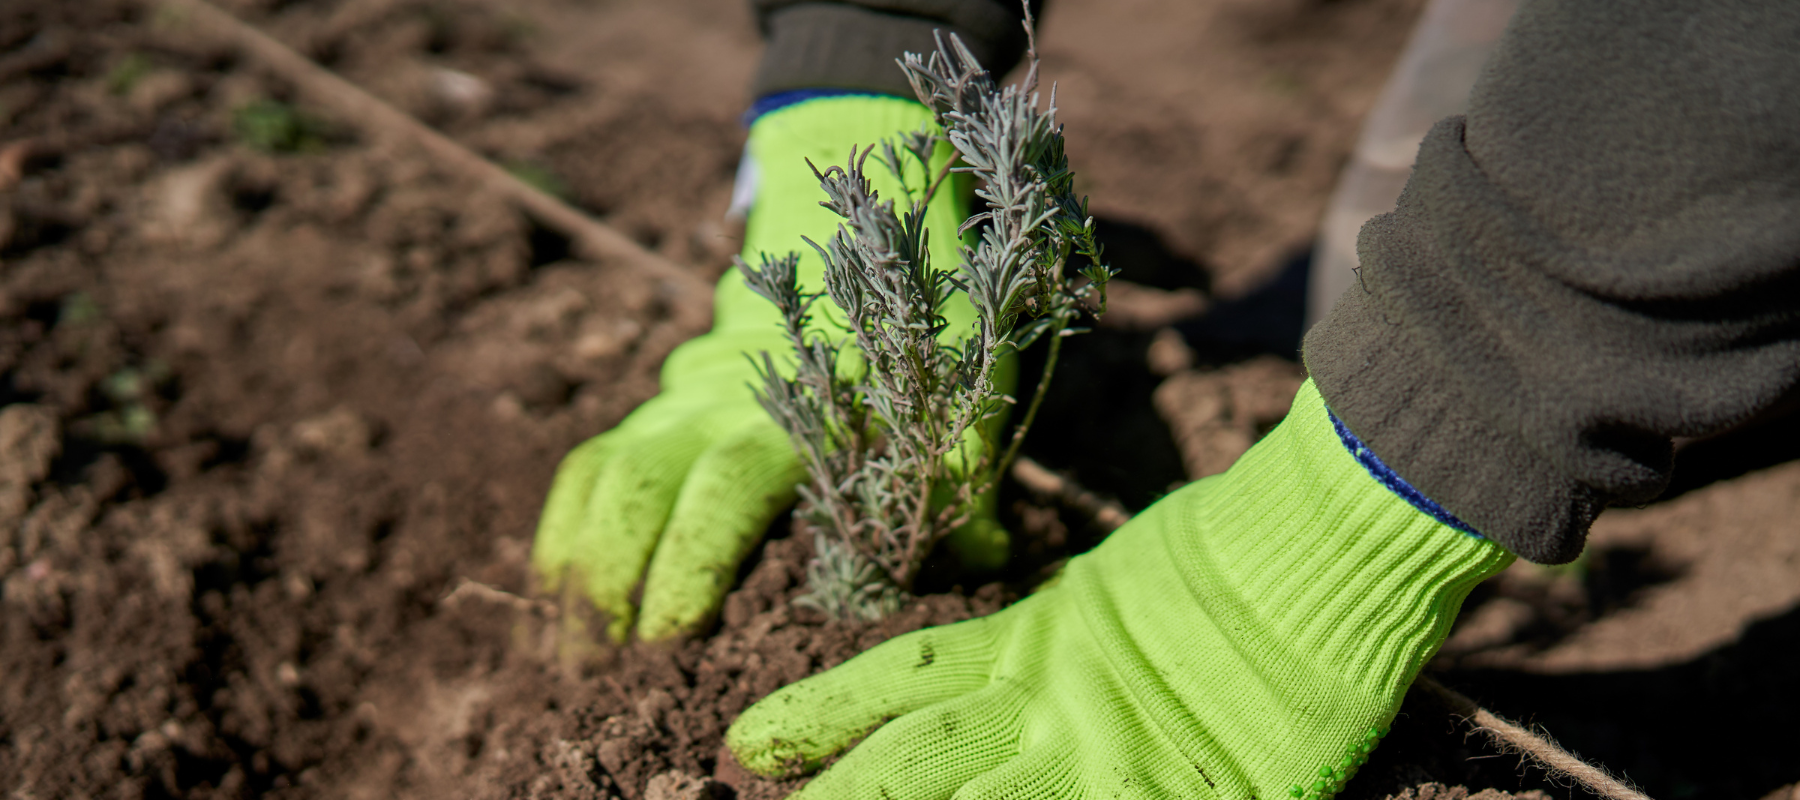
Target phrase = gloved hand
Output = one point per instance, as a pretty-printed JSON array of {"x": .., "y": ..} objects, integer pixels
[
  {"x": 679, "y": 492},
  {"x": 1249, "y": 636}
]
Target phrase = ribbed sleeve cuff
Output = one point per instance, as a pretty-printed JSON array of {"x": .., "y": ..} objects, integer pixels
[
  {"x": 1389, "y": 393},
  {"x": 854, "y": 46}
]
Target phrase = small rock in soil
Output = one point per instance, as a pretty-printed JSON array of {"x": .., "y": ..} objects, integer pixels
[
  {"x": 28, "y": 443},
  {"x": 675, "y": 785}
]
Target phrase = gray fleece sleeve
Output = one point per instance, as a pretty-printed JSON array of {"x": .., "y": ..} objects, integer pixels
[
  {"x": 852, "y": 44},
  {"x": 1604, "y": 254}
]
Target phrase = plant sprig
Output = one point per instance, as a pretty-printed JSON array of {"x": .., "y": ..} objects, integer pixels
[{"x": 901, "y": 444}]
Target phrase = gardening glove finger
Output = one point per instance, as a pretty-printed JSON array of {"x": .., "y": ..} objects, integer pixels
[
  {"x": 732, "y": 492},
  {"x": 678, "y": 493},
  {"x": 1250, "y": 635},
  {"x": 796, "y": 728},
  {"x": 614, "y": 494}
]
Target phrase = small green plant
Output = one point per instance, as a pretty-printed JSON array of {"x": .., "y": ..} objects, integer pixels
[
  {"x": 517, "y": 29},
  {"x": 126, "y": 74},
  {"x": 539, "y": 177},
  {"x": 78, "y": 308},
  {"x": 903, "y": 440},
  {"x": 130, "y": 420},
  {"x": 276, "y": 127}
]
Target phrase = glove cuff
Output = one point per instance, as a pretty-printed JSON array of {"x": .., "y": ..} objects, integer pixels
[
  {"x": 1324, "y": 576},
  {"x": 1326, "y": 547}
]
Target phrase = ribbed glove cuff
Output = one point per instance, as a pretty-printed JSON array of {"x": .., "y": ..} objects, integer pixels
[
  {"x": 1340, "y": 590},
  {"x": 1367, "y": 551}
]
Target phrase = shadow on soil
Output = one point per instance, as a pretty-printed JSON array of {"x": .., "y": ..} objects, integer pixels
[
  {"x": 1267, "y": 320},
  {"x": 1774, "y": 439},
  {"x": 1097, "y": 422},
  {"x": 1606, "y": 580},
  {"x": 1718, "y": 726}
]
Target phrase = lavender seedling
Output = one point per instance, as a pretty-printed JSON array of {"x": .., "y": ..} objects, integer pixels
[{"x": 902, "y": 444}]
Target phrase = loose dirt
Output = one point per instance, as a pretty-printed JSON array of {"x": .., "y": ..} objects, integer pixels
[{"x": 274, "y": 427}]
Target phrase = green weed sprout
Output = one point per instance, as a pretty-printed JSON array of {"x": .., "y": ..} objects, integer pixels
[
  {"x": 902, "y": 443},
  {"x": 275, "y": 127},
  {"x": 127, "y": 73},
  {"x": 539, "y": 177}
]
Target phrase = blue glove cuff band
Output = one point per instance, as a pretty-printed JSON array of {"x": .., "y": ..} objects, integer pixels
[
  {"x": 1386, "y": 477},
  {"x": 780, "y": 100}
]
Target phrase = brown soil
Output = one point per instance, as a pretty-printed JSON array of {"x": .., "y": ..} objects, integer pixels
[{"x": 274, "y": 428}]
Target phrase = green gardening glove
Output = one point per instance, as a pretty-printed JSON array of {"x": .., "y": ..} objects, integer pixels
[
  {"x": 1249, "y": 636},
  {"x": 680, "y": 491}
]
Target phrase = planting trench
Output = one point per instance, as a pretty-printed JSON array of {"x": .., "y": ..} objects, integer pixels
[{"x": 274, "y": 427}]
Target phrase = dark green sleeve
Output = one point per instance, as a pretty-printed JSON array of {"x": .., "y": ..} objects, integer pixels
[
  {"x": 853, "y": 44},
  {"x": 1604, "y": 254}
]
